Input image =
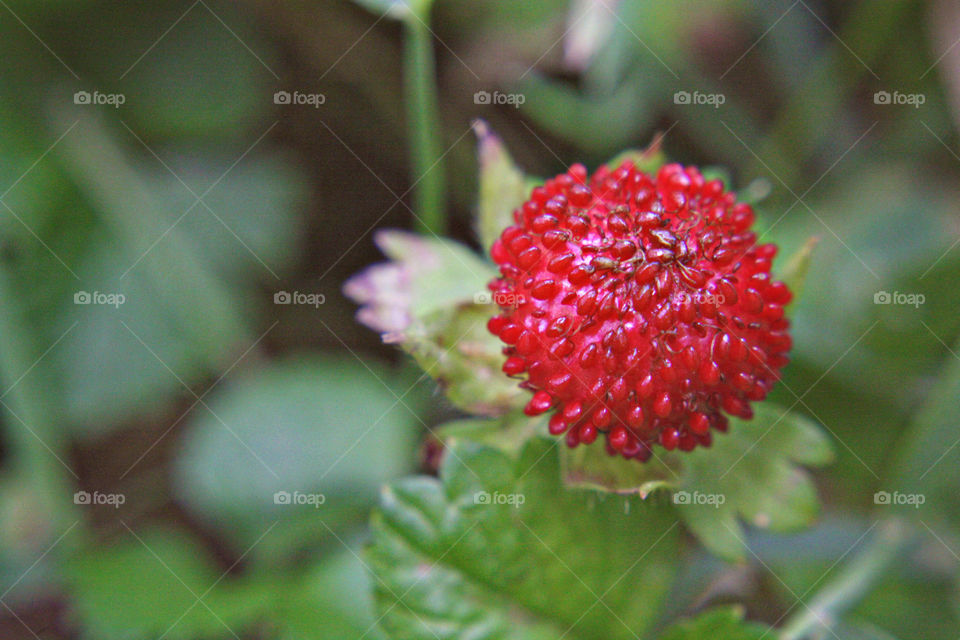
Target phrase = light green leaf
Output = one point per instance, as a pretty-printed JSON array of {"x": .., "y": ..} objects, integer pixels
[
  {"x": 751, "y": 472},
  {"x": 497, "y": 549},
  {"x": 508, "y": 433},
  {"x": 466, "y": 360},
  {"x": 433, "y": 301},
  {"x": 794, "y": 273},
  {"x": 648, "y": 160},
  {"x": 717, "y": 624},
  {"x": 319, "y": 426},
  {"x": 503, "y": 186},
  {"x": 148, "y": 587}
]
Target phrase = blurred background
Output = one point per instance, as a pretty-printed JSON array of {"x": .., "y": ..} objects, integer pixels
[{"x": 185, "y": 186}]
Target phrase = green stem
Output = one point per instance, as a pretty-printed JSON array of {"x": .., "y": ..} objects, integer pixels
[
  {"x": 423, "y": 121},
  {"x": 36, "y": 442},
  {"x": 850, "y": 584}
]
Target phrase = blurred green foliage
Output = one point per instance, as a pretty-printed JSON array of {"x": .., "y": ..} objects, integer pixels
[{"x": 200, "y": 198}]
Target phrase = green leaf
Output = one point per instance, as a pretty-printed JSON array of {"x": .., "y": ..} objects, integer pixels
[
  {"x": 717, "y": 624},
  {"x": 503, "y": 186},
  {"x": 926, "y": 463},
  {"x": 148, "y": 586},
  {"x": 331, "y": 599},
  {"x": 508, "y": 433},
  {"x": 466, "y": 360},
  {"x": 648, "y": 160},
  {"x": 319, "y": 425},
  {"x": 432, "y": 300},
  {"x": 748, "y": 473},
  {"x": 497, "y": 549},
  {"x": 794, "y": 273}
]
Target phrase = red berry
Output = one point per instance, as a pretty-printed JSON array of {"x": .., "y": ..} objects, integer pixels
[{"x": 647, "y": 310}]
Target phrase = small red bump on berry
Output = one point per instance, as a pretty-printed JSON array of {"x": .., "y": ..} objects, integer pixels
[
  {"x": 699, "y": 423},
  {"x": 618, "y": 438},
  {"x": 663, "y": 404},
  {"x": 557, "y": 424},
  {"x": 514, "y": 366},
  {"x": 669, "y": 438},
  {"x": 539, "y": 403}
]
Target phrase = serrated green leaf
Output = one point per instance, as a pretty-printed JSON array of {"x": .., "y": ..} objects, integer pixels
[
  {"x": 717, "y": 624},
  {"x": 496, "y": 549},
  {"x": 750, "y": 473},
  {"x": 503, "y": 185}
]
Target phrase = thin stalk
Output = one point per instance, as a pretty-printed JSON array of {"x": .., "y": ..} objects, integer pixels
[
  {"x": 850, "y": 584},
  {"x": 423, "y": 121}
]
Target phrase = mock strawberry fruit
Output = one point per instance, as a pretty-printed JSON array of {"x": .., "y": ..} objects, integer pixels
[{"x": 638, "y": 308}]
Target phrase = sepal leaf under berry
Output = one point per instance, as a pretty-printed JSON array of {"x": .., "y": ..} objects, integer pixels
[
  {"x": 509, "y": 433},
  {"x": 496, "y": 549},
  {"x": 503, "y": 185},
  {"x": 431, "y": 299},
  {"x": 648, "y": 160},
  {"x": 724, "y": 623},
  {"x": 752, "y": 472},
  {"x": 794, "y": 273}
]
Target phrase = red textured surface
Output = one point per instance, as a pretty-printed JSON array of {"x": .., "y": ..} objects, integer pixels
[{"x": 638, "y": 307}]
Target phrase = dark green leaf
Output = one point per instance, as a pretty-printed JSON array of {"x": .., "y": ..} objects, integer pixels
[{"x": 497, "y": 549}]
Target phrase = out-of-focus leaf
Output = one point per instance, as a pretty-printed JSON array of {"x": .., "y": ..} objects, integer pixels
[
  {"x": 717, "y": 624},
  {"x": 202, "y": 80},
  {"x": 712, "y": 488},
  {"x": 925, "y": 464},
  {"x": 331, "y": 600},
  {"x": 598, "y": 126},
  {"x": 503, "y": 185},
  {"x": 861, "y": 631},
  {"x": 648, "y": 160},
  {"x": 497, "y": 549},
  {"x": 179, "y": 268},
  {"x": 304, "y": 427},
  {"x": 794, "y": 273},
  {"x": 148, "y": 587}
]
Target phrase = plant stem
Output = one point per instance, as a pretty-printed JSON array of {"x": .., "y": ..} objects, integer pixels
[
  {"x": 852, "y": 582},
  {"x": 423, "y": 121}
]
